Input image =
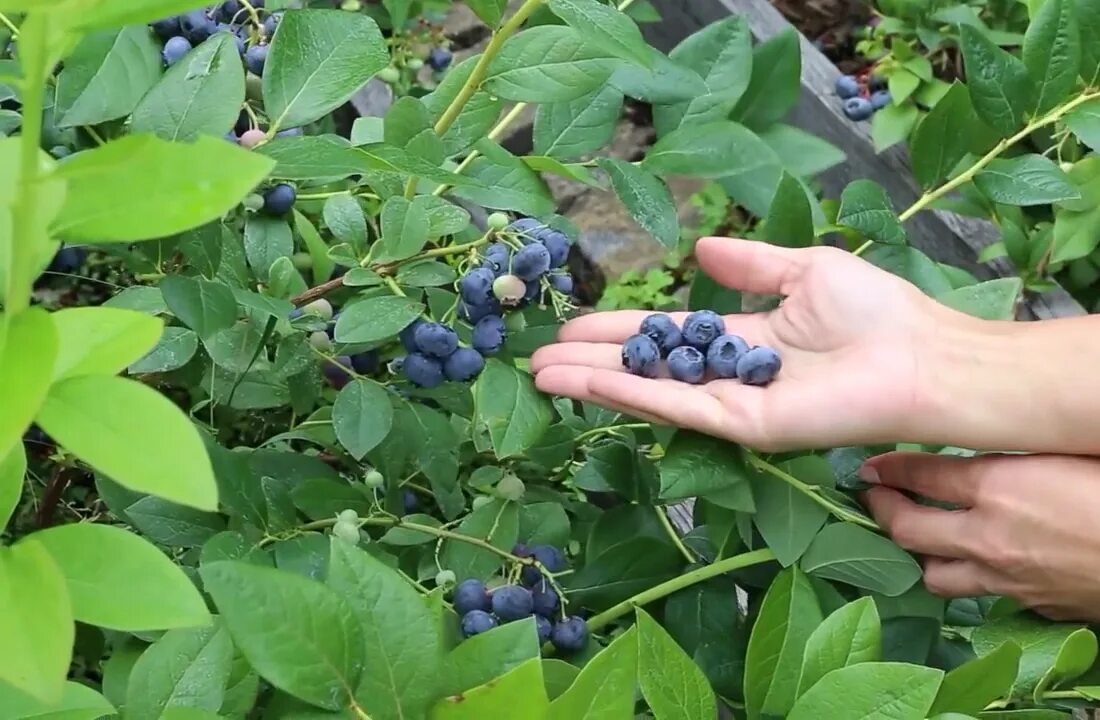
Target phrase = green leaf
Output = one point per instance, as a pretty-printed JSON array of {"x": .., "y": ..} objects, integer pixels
[
  {"x": 405, "y": 229},
  {"x": 570, "y": 130},
  {"x": 802, "y": 154},
  {"x": 408, "y": 125},
  {"x": 318, "y": 60},
  {"x": 174, "y": 350},
  {"x": 318, "y": 250},
  {"x": 186, "y": 668},
  {"x": 673, "y": 685},
  {"x": 201, "y": 94},
  {"x": 13, "y": 469},
  {"x": 943, "y": 138},
  {"x": 1026, "y": 180},
  {"x": 604, "y": 27},
  {"x": 850, "y": 554},
  {"x": 487, "y": 656},
  {"x": 78, "y": 702},
  {"x": 444, "y": 218},
  {"x": 972, "y": 686},
  {"x": 622, "y": 571},
  {"x": 647, "y": 199},
  {"x": 301, "y": 636},
  {"x": 549, "y": 63},
  {"x": 790, "y": 221},
  {"x": 496, "y": 523},
  {"x": 1076, "y": 656},
  {"x": 476, "y": 119},
  {"x": 26, "y": 371},
  {"x": 1052, "y": 52},
  {"x": 787, "y": 618},
  {"x": 173, "y": 525},
  {"x": 515, "y": 412},
  {"x": 1040, "y": 641},
  {"x": 401, "y": 640},
  {"x": 202, "y": 305},
  {"x": 722, "y": 55},
  {"x": 102, "y": 419},
  {"x": 36, "y": 621},
  {"x": 1088, "y": 24},
  {"x": 903, "y": 84},
  {"x": 141, "y": 187},
  {"x": 101, "y": 341},
  {"x": 520, "y": 694},
  {"x": 698, "y": 465},
  {"x": 665, "y": 82},
  {"x": 1000, "y": 86},
  {"x": 362, "y": 417},
  {"x": 873, "y": 691},
  {"x": 266, "y": 239},
  {"x": 850, "y": 635},
  {"x": 990, "y": 300},
  {"x": 1084, "y": 121},
  {"x": 106, "y": 76},
  {"x": 491, "y": 12},
  {"x": 109, "y": 14},
  {"x": 376, "y": 319},
  {"x": 507, "y": 183},
  {"x": 893, "y": 124},
  {"x": 713, "y": 150},
  {"x": 865, "y": 206},
  {"x": 776, "y": 81},
  {"x": 605, "y": 687},
  {"x": 117, "y": 580},
  {"x": 787, "y": 519}
]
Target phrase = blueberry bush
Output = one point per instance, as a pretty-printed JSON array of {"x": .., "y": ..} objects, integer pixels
[{"x": 283, "y": 458}]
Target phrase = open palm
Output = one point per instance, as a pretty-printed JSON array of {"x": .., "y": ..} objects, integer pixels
[{"x": 851, "y": 337}]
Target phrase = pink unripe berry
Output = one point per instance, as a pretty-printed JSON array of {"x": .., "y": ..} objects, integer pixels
[{"x": 252, "y": 138}]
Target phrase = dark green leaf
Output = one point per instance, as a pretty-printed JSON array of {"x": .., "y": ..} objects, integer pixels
[
  {"x": 864, "y": 206},
  {"x": 790, "y": 220},
  {"x": 1000, "y": 86},
  {"x": 405, "y": 229},
  {"x": 622, "y": 571},
  {"x": 878, "y": 691},
  {"x": 850, "y": 554},
  {"x": 604, "y": 27},
  {"x": 490, "y": 11},
  {"x": 672, "y": 684},
  {"x": 408, "y": 125},
  {"x": 173, "y": 525},
  {"x": 713, "y": 150},
  {"x": 972, "y": 686},
  {"x": 570, "y": 130},
  {"x": 647, "y": 199},
  {"x": 787, "y": 519},
  {"x": 1052, "y": 52},
  {"x": 362, "y": 417},
  {"x": 944, "y": 137},
  {"x": 106, "y": 75},
  {"x": 1088, "y": 23},
  {"x": 184, "y": 669},
  {"x": 776, "y": 81},
  {"x": 1084, "y": 121},
  {"x": 550, "y": 63},
  {"x": 204, "y": 306},
  {"x": 376, "y": 319},
  {"x": 698, "y": 464},
  {"x": 266, "y": 239},
  {"x": 496, "y": 523},
  {"x": 507, "y": 183},
  {"x": 515, "y": 413},
  {"x": 475, "y": 120},
  {"x": 1026, "y": 180},
  {"x": 665, "y": 82}
]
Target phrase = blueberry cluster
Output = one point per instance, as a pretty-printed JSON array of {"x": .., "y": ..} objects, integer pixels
[
  {"x": 700, "y": 348},
  {"x": 483, "y": 608},
  {"x": 181, "y": 33},
  {"x": 862, "y": 96}
]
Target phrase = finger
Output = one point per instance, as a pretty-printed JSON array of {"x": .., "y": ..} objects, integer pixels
[
  {"x": 572, "y": 382},
  {"x": 616, "y": 327},
  {"x": 752, "y": 266},
  {"x": 958, "y": 578},
  {"x": 682, "y": 405},
  {"x": 921, "y": 529},
  {"x": 948, "y": 478},
  {"x": 605, "y": 356}
]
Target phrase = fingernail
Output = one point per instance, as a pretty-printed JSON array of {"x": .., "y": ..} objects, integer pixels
[{"x": 869, "y": 475}]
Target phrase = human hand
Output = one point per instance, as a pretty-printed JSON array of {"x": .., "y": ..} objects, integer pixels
[
  {"x": 855, "y": 341},
  {"x": 1027, "y": 528}
]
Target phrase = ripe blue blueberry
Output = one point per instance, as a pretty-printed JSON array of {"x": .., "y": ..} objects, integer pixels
[
  {"x": 570, "y": 635},
  {"x": 423, "y": 371},
  {"x": 408, "y": 335},
  {"x": 67, "y": 260},
  {"x": 410, "y": 501},
  {"x": 489, "y": 335},
  {"x": 703, "y": 327},
  {"x": 528, "y": 229},
  {"x": 366, "y": 363},
  {"x": 197, "y": 26},
  {"x": 551, "y": 558},
  {"x": 759, "y": 366},
  {"x": 545, "y": 600},
  {"x": 531, "y": 262},
  {"x": 723, "y": 354},
  {"x": 463, "y": 365},
  {"x": 498, "y": 258},
  {"x": 227, "y": 11},
  {"x": 881, "y": 99},
  {"x": 663, "y": 330},
  {"x": 255, "y": 59},
  {"x": 175, "y": 50},
  {"x": 336, "y": 371},
  {"x": 291, "y": 132},
  {"x": 562, "y": 282},
  {"x": 858, "y": 109},
  {"x": 471, "y": 595},
  {"x": 545, "y": 629},
  {"x": 876, "y": 83},
  {"x": 847, "y": 86},
  {"x": 476, "y": 286},
  {"x": 558, "y": 245},
  {"x": 440, "y": 59},
  {"x": 436, "y": 340},
  {"x": 279, "y": 200},
  {"x": 512, "y": 602},
  {"x": 167, "y": 28},
  {"x": 641, "y": 356},
  {"x": 474, "y": 314},
  {"x": 477, "y": 622},
  {"x": 532, "y": 291},
  {"x": 271, "y": 23},
  {"x": 687, "y": 364}
]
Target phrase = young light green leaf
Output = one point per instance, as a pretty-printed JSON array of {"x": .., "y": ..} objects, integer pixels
[
  {"x": 972, "y": 686},
  {"x": 36, "y": 621},
  {"x": 201, "y": 94},
  {"x": 1026, "y": 180},
  {"x": 135, "y": 12},
  {"x": 186, "y": 668},
  {"x": 101, "y": 341},
  {"x": 775, "y": 84},
  {"x": 13, "y": 469},
  {"x": 78, "y": 702},
  {"x": 102, "y": 419},
  {"x": 106, "y": 76},
  {"x": 570, "y": 130},
  {"x": 944, "y": 137},
  {"x": 713, "y": 150},
  {"x": 202, "y": 305},
  {"x": 1000, "y": 86},
  {"x": 376, "y": 319},
  {"x": 497, "y": 523},
  {"x": 892, "y": 124},
  {"x": 605, "y": 687},
  {"x": 26, "y": 371},
  {"x": 117, "y": 580},
  {"x": 1040, "y": 641},
  {"x": 604, "y": 27},
  {"x": 990, "y": 300},
  {"x": 790, "y": 221},
  {"x": 404, "y": 230},
  {"x": 850, "y": 635},
  {"x": 698, "y": 465},
  {"x": 673, "y": 685},
  {"x": 549, "y": 63},
  {"x": 865, "y": 206},
  {"x": 319, "y": 59},
  {"x": 850, "y": 554},
  {"x": 1052, "y": 52},
  {"x": 802, "y": 154},
  {"x": 520, "y": 694},
  {"x": 318, "y": 250},
  {"x": 401, "y": 639},
  {"x": 515, "y": 412},
  {"x": 873, "y": 691},
  {"x": 362, "y": 417},
  {"x": 788, "y": 616},
  {"x": 647, "y": 199},
  {"x": 141, "y": 187},
  {"x": 301, "y": 636}
]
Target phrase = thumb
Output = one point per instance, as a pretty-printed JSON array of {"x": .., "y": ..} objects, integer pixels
[
  {"x": 948, "y": 478},
  {"x": 752, "y": 266}
]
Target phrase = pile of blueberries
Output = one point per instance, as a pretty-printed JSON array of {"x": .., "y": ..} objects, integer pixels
[
  {"x": 699, "y": 349},
  {"x": 182, "y": 33},
  {"x": 483, "y": 608},
  {"x": 862, "y": 97}
]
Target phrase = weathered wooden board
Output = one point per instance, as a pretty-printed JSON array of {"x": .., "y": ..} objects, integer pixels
[{"x": 944, "y": 236}]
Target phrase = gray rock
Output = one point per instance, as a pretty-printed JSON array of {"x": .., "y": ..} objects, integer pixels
[{"x": 374, "y": 99}]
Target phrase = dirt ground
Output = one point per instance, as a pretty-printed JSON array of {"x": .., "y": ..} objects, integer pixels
[{"x": 831, "y": 23}]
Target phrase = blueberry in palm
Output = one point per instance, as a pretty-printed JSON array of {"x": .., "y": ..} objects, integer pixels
[
  {"x": 759, "y": 366},
  {"x": 687, "y": 364},
  {"x": 664, "y": 331},
  {"x": 723, "y": 354},
  {"x": 641, "y": 356}
]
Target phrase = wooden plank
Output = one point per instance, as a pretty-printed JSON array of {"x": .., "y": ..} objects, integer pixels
[{"x": 944, "y": 236}]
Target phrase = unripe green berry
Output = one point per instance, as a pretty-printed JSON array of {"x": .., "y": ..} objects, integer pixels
[
  {"x": 302, "y": 261},
  {"x": 346, "y": 532},
  {"x": 321, "y": 308},
  {"x": 498, "y": 221},
  {"x": 415, "y": 64},
  {"x": 481, "y": 501},
  {"x": 348, "y": 516},
  {"x": 1067, "y": 167},
  {"x": 511, "y": 488},
  {"x": 374, "y": 479},
  {"x": 509, "y": 289},
  {"x": 445, "y": 578},
  {"x": 352, "y": 5},
  {"x": 515, "y": 322},
  {"x": 254, "y": 202},
  {"x": 320, "y": 341},
  {"x": 389, "y": 75}
]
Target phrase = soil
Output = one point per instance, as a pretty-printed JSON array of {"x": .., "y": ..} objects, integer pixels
[{"x": 832, "y": 24}]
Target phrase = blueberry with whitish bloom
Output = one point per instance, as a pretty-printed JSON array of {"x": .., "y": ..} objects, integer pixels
[
  {"x": 435, "y": 340},
  {"x": 408, "y": 335},
  {"x": 664, "y": 331},
  {"x": 562, "y": 282},
  {"x": 167, "y": 28},
  {"x": 197, "y": 26},
  {"x": 242, "y": 45},
  {"x": 641, "y": 356},
  {"x": 549, "y": 556},
  {"x": 723, "y": 354},
  {"x": 570, "y": 635},
  {"x": 474, "y": 314},
  {"x": 440, "y": 59},
  {"x": 423, "y": 371},
  {"x": 533, "y": 291},
  {"x": 175, "y": 50},
  {"x": 228, "y": 10},
  {"x": 477, "y": 622},
  {"x": 703, "y": 327},
  {"x": 255, "y": 59},
  {"x": 558, "y": 245},
  {"x": 476, "y": 286},
  {"x": 471, "y": 595},
  {"x": 759, "y": 366},
  {"x": 545, "y": 629},
  {"x": 489, "y": 335},
  {"x": 410, "y": 501},
  {"x": 463, "y": 365},
  {"x": 527, "y": 227},
  {"x": 881, "y": 99},
  {"x": 280, "y": 199},
  {"x": 532, "y": 262},
  {"x": 545, "y": 600},
  {"x": 271, "y": 23},
  {"x": 512, "y": 602},
  {"x": 291, "y": 132},
  {"x": 858, "y": 109},
  {"x": 498, "y": 258},
  {"x": 687, "y": 364},
  {"x": 847, "y": 86}
]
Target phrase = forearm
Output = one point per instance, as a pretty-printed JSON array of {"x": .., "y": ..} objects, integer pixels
[{"x": 1013, "y": 386}]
